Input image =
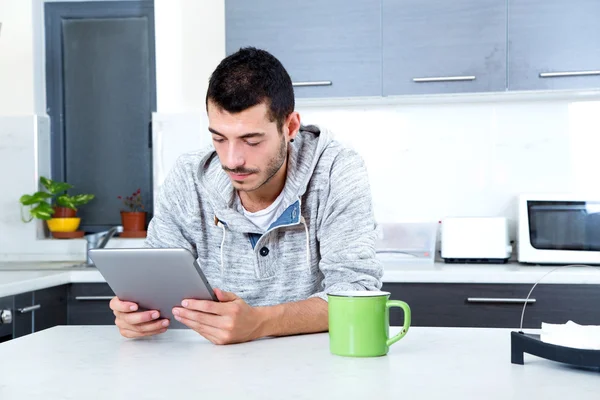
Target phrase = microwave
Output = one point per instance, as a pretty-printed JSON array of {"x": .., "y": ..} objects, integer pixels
[{"x": 558, "y": 229}]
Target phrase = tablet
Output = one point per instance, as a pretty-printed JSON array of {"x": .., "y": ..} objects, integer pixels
[{"x": 154, "y": 278}]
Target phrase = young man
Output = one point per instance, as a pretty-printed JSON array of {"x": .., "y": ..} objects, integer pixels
[{"x": 278, "y": 214}]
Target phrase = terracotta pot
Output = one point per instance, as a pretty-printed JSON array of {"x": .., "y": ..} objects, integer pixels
[
  {"x": 64, "y": 212},
  {"x": 133, "y": 221}
]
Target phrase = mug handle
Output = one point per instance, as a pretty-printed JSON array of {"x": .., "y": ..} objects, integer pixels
[{"x": 406, "y": 308}]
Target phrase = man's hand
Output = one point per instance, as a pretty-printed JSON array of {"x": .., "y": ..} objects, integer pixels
[
  {"x": 134, "y": 324},
  {"x": 230, "y": 321}
]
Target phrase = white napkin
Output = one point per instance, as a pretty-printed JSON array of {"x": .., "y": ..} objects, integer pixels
[{"x": 572, "y": 335}]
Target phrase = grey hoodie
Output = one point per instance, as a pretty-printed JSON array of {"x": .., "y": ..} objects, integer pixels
[{"x": 324, "y": 241}]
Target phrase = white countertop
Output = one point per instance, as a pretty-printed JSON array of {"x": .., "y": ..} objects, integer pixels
[
  {"x": 24, "y": 277},
  {"x": 15, "y": 282},
  {"x": 489, "y": 273},
  {"x": 429, "y": 363}
]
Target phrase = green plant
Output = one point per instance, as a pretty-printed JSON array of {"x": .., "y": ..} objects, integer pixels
[{"x": 38, "y": 204}]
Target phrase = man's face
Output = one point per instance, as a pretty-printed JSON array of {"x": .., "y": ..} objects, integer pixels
[{"x": 249, "y": 146}]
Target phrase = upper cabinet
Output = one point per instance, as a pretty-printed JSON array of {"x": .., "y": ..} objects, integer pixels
[
  {"x": 441, "y": 46},
  {"x": 340, "y": 48},
  {"x": 554, "y": 44},
  {"x": 330, "y": 48}
]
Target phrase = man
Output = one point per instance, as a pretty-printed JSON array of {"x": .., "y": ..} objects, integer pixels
[{"x": 277, "y": 214}]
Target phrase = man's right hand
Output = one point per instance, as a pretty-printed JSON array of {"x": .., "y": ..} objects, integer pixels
[{"x": 132, "y": 323}]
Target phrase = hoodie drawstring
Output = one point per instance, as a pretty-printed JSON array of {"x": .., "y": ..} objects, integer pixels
[
  {"x": 222, "y": 245},
  {"x": 219, "y": 223},
  {"x": 307, "y": 245}
]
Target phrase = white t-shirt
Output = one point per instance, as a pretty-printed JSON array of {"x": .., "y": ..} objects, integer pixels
[{"x": 264, "y": 218}]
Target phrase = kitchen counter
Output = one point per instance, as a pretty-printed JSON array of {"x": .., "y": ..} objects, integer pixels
[
  {"x": 15, "y": 282},
  {"x": 429, "y": 363},
  {"x": 489, "y": 273},
  {"x": 23, "y": 277}
]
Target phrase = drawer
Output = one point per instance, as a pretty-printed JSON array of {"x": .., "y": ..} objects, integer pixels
[
  {"x": 494, "y": 305},
  {"x": 53, "y": 307},
  {"x": 88, "y": 304}
]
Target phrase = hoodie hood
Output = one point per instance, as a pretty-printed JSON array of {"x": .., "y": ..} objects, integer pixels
[{"x": 303, "y": 156}]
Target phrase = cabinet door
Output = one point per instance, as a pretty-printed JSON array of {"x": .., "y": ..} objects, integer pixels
[
  {"x": 495, "y": 305},
  {"x": 89, "y": 304},
  {"x": 440, "y": 46},
  {"x": 23, "y": 314},
  {"x": 554, "y": 44},
  {"x": 53, "y": 307},
  {"x": 330, "y": 48}
]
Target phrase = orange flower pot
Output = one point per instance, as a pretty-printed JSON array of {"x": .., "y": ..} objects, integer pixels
[{"x": 133, "y": 221}]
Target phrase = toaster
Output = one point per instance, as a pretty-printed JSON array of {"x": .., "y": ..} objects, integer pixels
[{"x": 475, "y": 240}]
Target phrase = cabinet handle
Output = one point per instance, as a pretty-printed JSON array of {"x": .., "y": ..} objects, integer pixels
[
  {"x": 499, "y": 300},
  {"x": 569, "y": 73},
  {"x": 94, "y": 298},
  {"x": 312, "y": 83},
  {"x": 445, "y": 79},
  {"x": 29, "y": 309}
]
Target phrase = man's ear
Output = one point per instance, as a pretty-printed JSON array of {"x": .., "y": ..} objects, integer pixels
[{"x": 293, "y": 125}]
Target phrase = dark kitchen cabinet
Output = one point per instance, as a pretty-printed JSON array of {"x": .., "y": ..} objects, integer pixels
[
  {"x": 53, "y": 307},
  {"x": 89, "y": 304},
  {"x": 23, "y": 314},
  {"x": 494, "y": 305},
  {"x": 38, "y": 310}
]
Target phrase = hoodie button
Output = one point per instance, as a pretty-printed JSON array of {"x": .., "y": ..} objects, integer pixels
[{"x": 264, "y": 252}]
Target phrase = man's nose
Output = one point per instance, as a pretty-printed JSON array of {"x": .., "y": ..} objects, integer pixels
[{"x": 235, "y": 157}]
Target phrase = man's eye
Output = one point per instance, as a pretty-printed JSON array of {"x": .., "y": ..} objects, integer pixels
[
  {"x": 252, "y": 143},
  {"x": 218, "y": 140}
]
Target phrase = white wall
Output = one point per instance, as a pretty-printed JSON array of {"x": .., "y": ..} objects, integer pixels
[
  {"x": 190, "y": 43},
  {"x": 428, "y": 161},
  {"x": 16, "y": 58}
]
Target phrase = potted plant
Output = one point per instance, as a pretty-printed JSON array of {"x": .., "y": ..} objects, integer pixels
[
  {"x": 54, "y": 205},
  {"x": 133, "y": 217}
]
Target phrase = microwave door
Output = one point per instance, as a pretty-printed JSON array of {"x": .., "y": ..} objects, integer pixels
[{"x": 564, "y": 225}]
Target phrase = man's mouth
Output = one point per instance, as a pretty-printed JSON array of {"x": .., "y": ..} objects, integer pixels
[{"x": 239, "y": 176}]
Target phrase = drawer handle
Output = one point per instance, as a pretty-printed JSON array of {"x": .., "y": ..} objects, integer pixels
[
  {"x": 567, "y": 74},
  {"x": 445, "y": 79},
  {"x": 94, "y": 298},
  {"x": 490, "y": 300},
  {"x": 312, "y": 83},
  {"x": 29, "y": 309}
]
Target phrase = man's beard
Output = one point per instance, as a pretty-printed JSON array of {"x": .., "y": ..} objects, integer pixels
[{"x": 271, "y": 170}]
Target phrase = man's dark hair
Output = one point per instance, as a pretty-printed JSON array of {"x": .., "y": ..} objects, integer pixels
[{"x": 249, "y": 77}]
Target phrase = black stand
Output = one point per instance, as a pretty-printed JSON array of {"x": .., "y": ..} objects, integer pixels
[{"x": 521, "y": 343}]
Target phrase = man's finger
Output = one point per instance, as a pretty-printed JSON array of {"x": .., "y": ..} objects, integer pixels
[
  {"x": 225, "y": 296},
  {"x": 213, "y": 320},
  {"x": 144, "y": 327},
  {"x": 136, "y": 318},
  {"x": 122, "y": 306},
  {"x": 205, "y": 306}
]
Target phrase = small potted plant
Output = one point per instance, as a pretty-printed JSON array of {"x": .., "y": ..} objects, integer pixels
[
  {"x": 55, "y": 206},
  {"x": 133, "y": 217}
]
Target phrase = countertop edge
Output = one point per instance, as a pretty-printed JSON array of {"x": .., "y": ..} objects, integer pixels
[{"x": 417, "y": 273}]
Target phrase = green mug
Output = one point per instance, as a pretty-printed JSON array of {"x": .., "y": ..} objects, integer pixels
[{"x": 359, "y": 323}]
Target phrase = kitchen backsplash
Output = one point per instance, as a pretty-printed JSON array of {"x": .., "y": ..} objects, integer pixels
[{"x": 426, "y": 160}]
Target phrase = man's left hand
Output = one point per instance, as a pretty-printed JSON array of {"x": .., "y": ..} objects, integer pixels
[{"x": 231, "y": 320}]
